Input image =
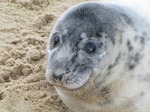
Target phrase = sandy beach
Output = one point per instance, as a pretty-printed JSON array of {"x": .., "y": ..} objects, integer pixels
[{"x": 25, "y": 26}]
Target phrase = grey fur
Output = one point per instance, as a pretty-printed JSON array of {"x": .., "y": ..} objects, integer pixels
[{"x": 99, "y": 82}]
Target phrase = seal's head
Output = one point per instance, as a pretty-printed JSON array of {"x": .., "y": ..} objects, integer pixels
[{"x": 81, "y": 43}]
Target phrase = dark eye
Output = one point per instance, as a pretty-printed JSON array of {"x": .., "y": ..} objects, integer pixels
[
  {"x": 90, "y": 47},
  {"x": 56, "y": 40}
]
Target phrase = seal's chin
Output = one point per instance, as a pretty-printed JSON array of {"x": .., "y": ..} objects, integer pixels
[{"x": 77, "y": 83}]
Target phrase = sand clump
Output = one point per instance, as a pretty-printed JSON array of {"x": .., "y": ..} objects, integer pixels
[{"x": 25, "y": 27}]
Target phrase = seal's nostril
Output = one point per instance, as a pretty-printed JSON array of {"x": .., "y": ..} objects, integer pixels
[{"x": 59, "y": 77}]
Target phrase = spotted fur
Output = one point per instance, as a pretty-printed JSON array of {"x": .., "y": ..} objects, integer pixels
[{"x": 115, "y": 78}]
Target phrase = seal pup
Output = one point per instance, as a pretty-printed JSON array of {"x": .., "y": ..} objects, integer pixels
[{"x": 99, "y": 58}]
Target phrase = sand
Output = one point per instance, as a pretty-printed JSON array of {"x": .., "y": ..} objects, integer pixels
[{"x": 24, "y": 28}]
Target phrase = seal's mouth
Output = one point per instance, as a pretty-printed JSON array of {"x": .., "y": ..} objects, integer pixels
[{"x": 69, "y": 81}]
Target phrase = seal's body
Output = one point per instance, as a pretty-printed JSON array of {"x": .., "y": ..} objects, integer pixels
[{"x": 99, "y": 58}]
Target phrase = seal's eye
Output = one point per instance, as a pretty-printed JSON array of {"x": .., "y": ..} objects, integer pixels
[
  {"x": 56, "y": 40},
  {"x": 90, "y": 47}
]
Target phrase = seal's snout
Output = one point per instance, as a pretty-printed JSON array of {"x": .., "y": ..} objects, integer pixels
[{"x": 57, "y": 77}]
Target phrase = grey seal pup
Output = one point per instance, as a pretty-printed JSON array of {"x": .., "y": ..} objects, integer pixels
[{"x": 99, "y": 58}]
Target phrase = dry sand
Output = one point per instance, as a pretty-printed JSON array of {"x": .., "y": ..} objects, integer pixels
[{"x": 24, "y": 28}]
